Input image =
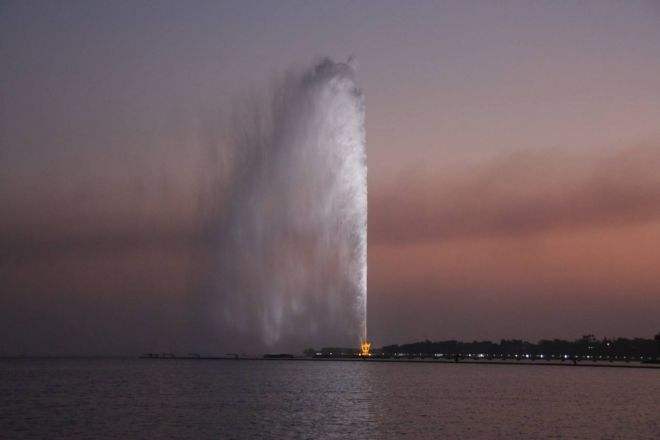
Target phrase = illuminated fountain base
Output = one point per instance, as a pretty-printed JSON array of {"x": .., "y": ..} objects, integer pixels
[{"x": 365, "y": 349}]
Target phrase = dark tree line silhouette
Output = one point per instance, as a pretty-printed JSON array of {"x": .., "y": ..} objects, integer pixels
[{"x": 586, "y": 347}]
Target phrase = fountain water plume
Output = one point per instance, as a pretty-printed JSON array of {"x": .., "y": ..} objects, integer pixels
[{"x": 291, "y": 266}]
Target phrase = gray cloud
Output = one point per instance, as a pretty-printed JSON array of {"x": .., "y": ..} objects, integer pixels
[{"x": 520, "y": 193}]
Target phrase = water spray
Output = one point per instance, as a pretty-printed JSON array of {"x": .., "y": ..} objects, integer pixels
[{"x": 292, "y": 265}]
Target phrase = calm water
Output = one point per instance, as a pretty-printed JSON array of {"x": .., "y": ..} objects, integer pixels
[{"x": 281, "y": 399}]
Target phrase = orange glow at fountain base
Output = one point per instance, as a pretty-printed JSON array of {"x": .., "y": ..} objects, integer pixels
[{"x": 365, "y": 349}]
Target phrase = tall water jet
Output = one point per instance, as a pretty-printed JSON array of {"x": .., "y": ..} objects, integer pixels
[{"x": 292, "y": 262}]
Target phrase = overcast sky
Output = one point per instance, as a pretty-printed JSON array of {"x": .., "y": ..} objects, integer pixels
[{"x": 513, "y": 153}]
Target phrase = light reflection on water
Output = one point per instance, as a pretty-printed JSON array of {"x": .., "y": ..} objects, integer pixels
[{"x": 283, "y": 399}]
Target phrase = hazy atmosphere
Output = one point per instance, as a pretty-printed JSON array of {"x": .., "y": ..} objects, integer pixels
[{"x": 513, "y": 161}]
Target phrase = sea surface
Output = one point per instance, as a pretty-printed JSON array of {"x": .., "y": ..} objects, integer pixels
[{"x": 279, "y": 399}]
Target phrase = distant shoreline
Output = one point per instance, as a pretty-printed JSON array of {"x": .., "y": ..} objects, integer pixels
[
  {"x": 603, "y": 364},
  {"x": 542, "y": 363}
]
